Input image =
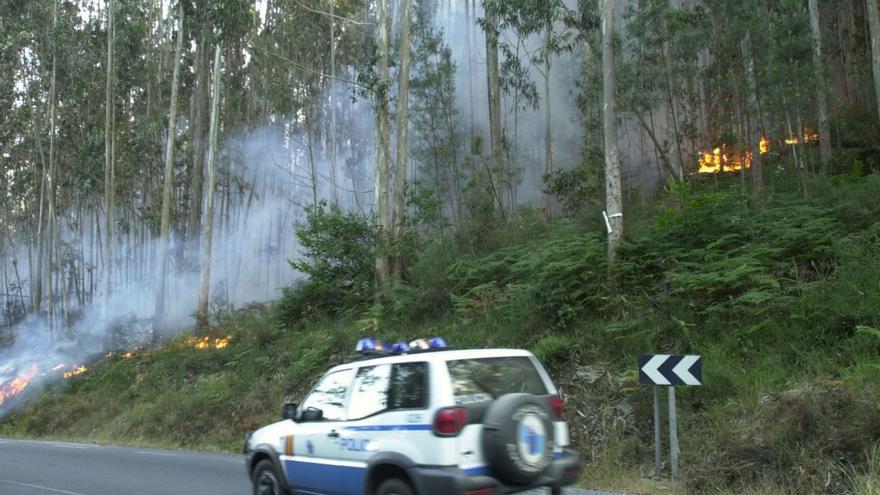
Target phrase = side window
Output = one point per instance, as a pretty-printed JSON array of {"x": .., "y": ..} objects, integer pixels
[
  {"x": 387, "y": 387},
  {"x": 329, "y": 395},
  {"x": 409, "y": 386},
  {"x": 370, "y": 392}
]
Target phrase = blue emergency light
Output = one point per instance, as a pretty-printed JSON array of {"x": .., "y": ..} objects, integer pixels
[
  {"x": 370, "y": 345},
  {"x": 400, "y": 348}
]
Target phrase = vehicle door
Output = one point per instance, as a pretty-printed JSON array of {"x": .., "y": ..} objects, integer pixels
[
  {"x": 387, "y": 412},
  {"x": 311, "y": 459}
]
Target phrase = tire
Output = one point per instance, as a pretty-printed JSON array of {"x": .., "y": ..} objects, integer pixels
[
  {"x": 267, "y": 481},
  {"x": 394, "y": 487},
  {"x": 518, "y": 438},
  {"x": 555, "y": 490}
]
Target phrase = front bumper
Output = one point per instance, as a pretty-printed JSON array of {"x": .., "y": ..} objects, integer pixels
[{"x": 563, "y": 471}]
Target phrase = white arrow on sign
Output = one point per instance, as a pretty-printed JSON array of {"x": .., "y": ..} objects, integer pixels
[
  {"x": 683, "y": 370},
  {"x": 651, "y": 369}
]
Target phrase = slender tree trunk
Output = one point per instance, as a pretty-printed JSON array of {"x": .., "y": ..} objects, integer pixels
[
  {"x": 494, "y": 87},
  {"x": 37, "y": 289},
  {"x": 470, "y": 57},
  {"x": 108, "y": 180},
  {"x": 874, "y": 23},
  {"x": 310, "y": 145},
  {"x": 383, "y": 147},
  {"x": 200, "y": 101},
  {"x": 821, "y": 102},
  {"x": 548, "y": 123},
  {"x": 208, "y": 230},
  {"x": 613, "y": 186},
  {"x": 334, "y": 139},
  {"x": 165, "y": 227},
  {"x": 754, "y": 131},
  {"x": 674, "y": 151},
  {"x": 50, "y": 181},
  {"x": 402, "y": 132}
]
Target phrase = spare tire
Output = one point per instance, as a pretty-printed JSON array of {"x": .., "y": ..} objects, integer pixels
[{"x": 518, "y": 438}]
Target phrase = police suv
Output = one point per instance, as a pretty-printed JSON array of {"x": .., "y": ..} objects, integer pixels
[{"x": 419, "y": 418}]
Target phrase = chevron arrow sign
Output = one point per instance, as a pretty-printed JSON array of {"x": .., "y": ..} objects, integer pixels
[{"x": 666, "y": 369}]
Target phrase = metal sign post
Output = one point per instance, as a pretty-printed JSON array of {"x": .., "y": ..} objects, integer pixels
[
  {"x": 657, "y": 455},
  {"x": 668, "y": 370}
]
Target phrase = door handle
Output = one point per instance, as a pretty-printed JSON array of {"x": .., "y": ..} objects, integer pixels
[{"x": 333, "y": 434}]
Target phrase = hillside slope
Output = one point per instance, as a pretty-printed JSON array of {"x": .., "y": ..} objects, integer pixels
[{"x": 779, "y": 294}]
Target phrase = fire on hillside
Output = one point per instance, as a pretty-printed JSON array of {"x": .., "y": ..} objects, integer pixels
[{"x": 729, "y": 159}]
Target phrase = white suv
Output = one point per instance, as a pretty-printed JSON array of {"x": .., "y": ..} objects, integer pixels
[{"x": 430, "y": 422}]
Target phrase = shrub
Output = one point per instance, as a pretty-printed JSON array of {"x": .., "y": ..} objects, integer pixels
[{"x": 338, "y": 252}]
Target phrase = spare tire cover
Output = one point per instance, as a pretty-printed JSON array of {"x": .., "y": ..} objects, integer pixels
[{"x": 518, "y": 438}]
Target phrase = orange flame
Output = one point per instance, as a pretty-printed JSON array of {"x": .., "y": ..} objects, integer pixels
[
  {"x": 764, "y": 145},
  {"x": 76, "y": 370},
  {"x": 722, "y": 160},
  {"x": 17, "y": 386},
  {"x": 204, "y": 343},
  {"x": 810, "y": 136}
]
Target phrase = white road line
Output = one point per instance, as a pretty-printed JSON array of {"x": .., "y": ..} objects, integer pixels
[
  {"x": 68, "y": 446},
  {"x": 38, "y": 487}
]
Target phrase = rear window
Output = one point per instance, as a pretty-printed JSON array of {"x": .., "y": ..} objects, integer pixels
[{"x": 485, "y": 379}]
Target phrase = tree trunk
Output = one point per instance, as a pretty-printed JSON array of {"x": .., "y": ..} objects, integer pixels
[
  {"x": 165, "y": 227},
  {"x": 208, "y": 230},
  {"x": 383, "y": 146},
  {"x": 874, "y": 22},
  {"x": 613, "y": 197},
  {"x": 494, "y": 88},
  {"x": 402, "y": 132},
  {"x": 548, "y": 125},
  {"x": 754, "y": 131},
  {"x": 674, "y": 151},
  {"x": 50, "y": 182},
  {"x": 37, "y": 288},
  {"x": 334, "y": 140},
  {"x": 200, "y": 101},
  {"x": 108, "y": 179},
  {"x": 821, "y": 102}
]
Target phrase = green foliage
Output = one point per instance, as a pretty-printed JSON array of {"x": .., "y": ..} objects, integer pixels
[{"x": 338, "y": 251}]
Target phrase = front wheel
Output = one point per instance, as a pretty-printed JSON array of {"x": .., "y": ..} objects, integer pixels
[
  {"x": 266, "y": 479},
  {"x": 394, "y": 487}
]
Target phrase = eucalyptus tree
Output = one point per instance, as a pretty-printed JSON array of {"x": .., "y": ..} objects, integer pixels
[
  {"x": 402, "y": 139},
  {"x": 613, "y": 186},
  {"x": 171, "y": 135},
  {"x": 821, "y": 100},
  {"x": 874, "y": 25},
  {"x": 208, "y": 228}
]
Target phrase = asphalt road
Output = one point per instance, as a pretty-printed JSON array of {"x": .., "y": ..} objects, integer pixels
[{"x": 59, "y": 468}]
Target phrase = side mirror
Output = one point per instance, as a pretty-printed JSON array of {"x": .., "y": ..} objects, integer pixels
[
  {"x": 312, "y": 414},
  {"x": 288, "y": 411}
]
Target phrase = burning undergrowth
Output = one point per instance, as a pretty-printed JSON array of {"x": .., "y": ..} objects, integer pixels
[
  {"x": 25, "y": 373},
  {"x": 732, "y": 158}
]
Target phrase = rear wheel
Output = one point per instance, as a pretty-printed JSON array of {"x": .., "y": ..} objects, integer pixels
[
  {"x": 555, "y": 490},
  {"x": 394, "y": 487},
  {"x": 267, "y": 481}
]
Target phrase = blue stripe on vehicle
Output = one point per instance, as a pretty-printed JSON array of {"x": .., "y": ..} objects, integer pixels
[
  {"x": 557, "y": 456},
  {"x": 477, "y": 470},
  {"x": 390, "y": 428},
  {"x": 325, "y": 478}
]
